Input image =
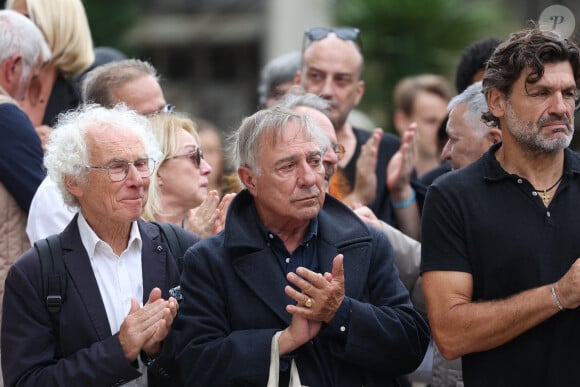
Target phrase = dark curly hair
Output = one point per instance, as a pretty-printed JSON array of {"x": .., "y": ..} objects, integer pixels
[
  {"x": 473, "y": 59},
  {"x": 529, "y": 48}
]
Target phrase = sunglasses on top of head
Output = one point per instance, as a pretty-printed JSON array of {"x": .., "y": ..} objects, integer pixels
[{"x": 345, "y": 33}]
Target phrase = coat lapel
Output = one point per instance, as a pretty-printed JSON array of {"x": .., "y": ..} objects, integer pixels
[
  {"x": 262, "y": 273},
  {"x": 82, "y": 278}
]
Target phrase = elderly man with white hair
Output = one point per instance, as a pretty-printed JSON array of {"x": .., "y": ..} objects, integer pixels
[{"x": 115, "y": 323}]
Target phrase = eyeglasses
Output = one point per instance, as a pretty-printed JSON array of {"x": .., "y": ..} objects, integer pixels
[
  {"x": 339, "y": 150},
  {"x": 344, "y": 33},
  {"x": 119, "y": 169},
  {"x": 196, "y": 156},
  {"x": 165, "y": 109}
]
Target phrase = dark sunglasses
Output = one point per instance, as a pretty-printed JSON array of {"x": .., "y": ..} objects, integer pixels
[
  {"x": 344, "y": 33},
  {"x": 196, "y": 156}
]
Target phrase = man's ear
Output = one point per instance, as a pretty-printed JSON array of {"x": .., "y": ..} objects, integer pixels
[
  {"x": 360, "y": 91},
  {"x": 496, "y": 102},
  {"x": 494, "y": 135},
  {"x": 248, "y": 178},
  {"x": 73, "y": 186},
  {"x": 10, "y": 68}
]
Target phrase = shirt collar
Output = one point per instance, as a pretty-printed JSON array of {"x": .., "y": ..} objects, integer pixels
[
  {"x": 269, "y": 235},
  {"x": 493, "y": 170},
  {"x": 91, "y": 240}
]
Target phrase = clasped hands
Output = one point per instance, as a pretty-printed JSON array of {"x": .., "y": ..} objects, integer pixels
[
  {"x": 146, "y": 327},
  {"x": 326, "y": 292}
]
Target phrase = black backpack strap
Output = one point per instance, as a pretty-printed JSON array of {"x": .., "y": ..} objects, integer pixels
[
  {"x": 53, "y": 275},
  {"x": 177, "y": 239}
]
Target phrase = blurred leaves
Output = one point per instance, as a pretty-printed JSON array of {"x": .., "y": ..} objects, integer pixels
[
  {"x": 111, "y": 19},
  {"x": 407, "y": 37}
]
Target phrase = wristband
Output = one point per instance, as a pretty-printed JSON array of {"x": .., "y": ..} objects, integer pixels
[
  {"x": 407, "y": 202},
  {"x": 556, "y": 299}
]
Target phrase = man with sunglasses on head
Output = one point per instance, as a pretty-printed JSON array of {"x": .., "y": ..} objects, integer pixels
[
  {"x": 332, "y": 68},
  {"x": 114, "y": 326},
  {"x": 132, "y": 82}
]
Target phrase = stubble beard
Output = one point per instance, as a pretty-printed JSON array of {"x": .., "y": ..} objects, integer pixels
[{"x": 528, "y": 134}]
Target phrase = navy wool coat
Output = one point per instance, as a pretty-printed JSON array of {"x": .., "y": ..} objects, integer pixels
[{"x": 234, "y": 302}]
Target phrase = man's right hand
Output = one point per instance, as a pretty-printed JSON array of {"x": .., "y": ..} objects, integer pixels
[
  {"x": 145, "y": 328},
  {"x": 300, "y": 331}
]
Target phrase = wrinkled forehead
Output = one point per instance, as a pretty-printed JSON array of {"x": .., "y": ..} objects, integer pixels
[
  {"x": 113, "y": 141},
  {"x": 291, "y": 139}
]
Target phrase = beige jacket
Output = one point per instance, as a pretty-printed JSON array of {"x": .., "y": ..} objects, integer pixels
[{"x": 13, "y": 238}]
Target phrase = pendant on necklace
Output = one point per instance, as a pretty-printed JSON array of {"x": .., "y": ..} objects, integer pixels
[{"x": 545, "y": 197}]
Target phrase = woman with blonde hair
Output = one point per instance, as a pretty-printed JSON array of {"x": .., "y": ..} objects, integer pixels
[
  {"x": 66, "y": 30},
  {"x": 178, "y": 191}
]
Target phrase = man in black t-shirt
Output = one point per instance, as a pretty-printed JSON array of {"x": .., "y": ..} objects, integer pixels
[{"x": 500, "y": 236}]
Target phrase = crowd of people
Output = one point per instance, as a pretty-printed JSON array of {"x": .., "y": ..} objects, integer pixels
[{"x": 319, "y": 252}]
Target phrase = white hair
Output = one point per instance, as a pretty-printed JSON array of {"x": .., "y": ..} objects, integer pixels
[
  {"x": 67, "y": 152},
  {"x": 476, "y": 103},
  {"x": 20, "y": 36}
]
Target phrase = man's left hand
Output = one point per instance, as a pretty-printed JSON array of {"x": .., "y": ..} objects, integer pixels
[{"x": 321, "y": 295}]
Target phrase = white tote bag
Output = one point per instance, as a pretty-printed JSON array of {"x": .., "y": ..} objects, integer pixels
[{"x": 273, "y": 378}]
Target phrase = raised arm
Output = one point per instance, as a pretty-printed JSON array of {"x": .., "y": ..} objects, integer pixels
[{"x": 403, "y": 196}]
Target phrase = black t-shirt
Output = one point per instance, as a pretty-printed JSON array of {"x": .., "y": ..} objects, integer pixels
[{"x": 493, "y": 225}]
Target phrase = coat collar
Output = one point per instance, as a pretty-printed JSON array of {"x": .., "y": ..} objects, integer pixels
[{"x": 337, "y": 224}]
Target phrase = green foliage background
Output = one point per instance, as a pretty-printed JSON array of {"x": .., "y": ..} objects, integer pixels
[
  {"x": 400, "y": 37},
  {"x": 407, "y": 37},
  {"x": 110, "y": 19}
]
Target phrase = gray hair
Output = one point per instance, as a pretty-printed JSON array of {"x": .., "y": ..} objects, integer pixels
[
  {"x": 98, "y": 83},
  {"x": 67, "y": 152},
  {"x": 476, "y": 105},
  {"x": 279, "y": 70},
  {"x": 20, "y": 36},
  {"x": 248, "y": 139},
  {"x": 296, "y": 96}
]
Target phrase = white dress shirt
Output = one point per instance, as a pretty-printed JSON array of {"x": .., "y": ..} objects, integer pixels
[
  {"x": 47, "y": 214},
  {"x": 119, "y": 278}
]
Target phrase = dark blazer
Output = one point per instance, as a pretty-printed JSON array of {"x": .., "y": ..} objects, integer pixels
[
  {"x": 90, "y": 354},
  {"x": 234, "y": 302}
]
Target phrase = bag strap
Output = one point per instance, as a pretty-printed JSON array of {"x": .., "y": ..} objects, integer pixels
[
  {"x": 274, "y": 373},
  {"x": 53, "y": 279},
  {"x": 53, "y": 273},
  {"x": 177, "y": 239}
]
